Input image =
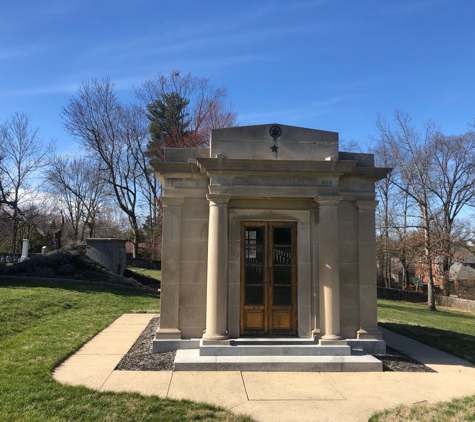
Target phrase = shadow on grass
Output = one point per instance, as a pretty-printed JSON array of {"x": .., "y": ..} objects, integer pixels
[
  {"x": 76, "y": 285},
  {"x": 460, "y": 345}
]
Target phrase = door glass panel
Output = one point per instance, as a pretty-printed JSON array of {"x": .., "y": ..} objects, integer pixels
[
  {"x": 254, "y": 274},
  {"x": 282, "y": 255},
  {"x": 254, "y": 266},
  {"x": 282, "y": 235},
  {"x": 282, "y": 274},
  {"x": 282, "y": 295},
  {"x": 254, "y": 246},
  {"x": 254, "y": 295}
]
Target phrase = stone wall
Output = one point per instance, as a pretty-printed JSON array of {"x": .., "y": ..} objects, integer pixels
[
  {"x": 151, "y": 264},
  {"x": 405, "y": 295},
  {"x": 455, "y": 302},
  {"x": 417, "y": 297}
]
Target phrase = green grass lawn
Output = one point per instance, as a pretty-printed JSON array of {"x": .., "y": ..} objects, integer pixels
[
  {"x": 157, "y": 274},
  {"x": 448, "y": 330},
  {"x": 42, "y": 323}
]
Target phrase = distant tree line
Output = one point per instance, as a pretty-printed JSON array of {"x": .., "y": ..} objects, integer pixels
[{"x": 53, "y": 199}]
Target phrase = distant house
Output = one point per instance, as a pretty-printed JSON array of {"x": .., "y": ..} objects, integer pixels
[
  {"x": 463, "y": 268},
  {"x": 129, "y": 248}
]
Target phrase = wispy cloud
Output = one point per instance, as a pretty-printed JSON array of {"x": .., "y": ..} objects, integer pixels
[
  {"x": 18, "y": 52},
  {"x": 408, "y": 7},
  {"x": 329, "y": 101},
  {"x": 43, "y": 90}
]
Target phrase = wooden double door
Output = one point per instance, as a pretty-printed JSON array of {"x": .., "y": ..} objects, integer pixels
[{"x": 268, "y": 278}]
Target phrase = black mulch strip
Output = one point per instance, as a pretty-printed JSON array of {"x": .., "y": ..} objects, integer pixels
[
  {"x": 141, "y": 358},
  {"x": 397, "y": 361}
]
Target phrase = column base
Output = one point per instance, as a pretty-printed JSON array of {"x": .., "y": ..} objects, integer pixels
[
  {"x": 215, "y": 337},
  {"x": 339, "y": 342},
  {"x": 373, "y": 334},
  {"x": 168, "y": 333},
  {"x": 316, "y": 334},
  {"x": 206, "y": 342}
]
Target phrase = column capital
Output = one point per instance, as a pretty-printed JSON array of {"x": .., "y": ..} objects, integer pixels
[
  {"x": 172, "y": 200},
  {"x": 364, "y": 204},
  {"x": 330, "y": 200},
  {"x": 217, "y": 198}
]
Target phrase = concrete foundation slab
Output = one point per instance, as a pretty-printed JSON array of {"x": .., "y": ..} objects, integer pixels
[{"x": 190, "y": 360}]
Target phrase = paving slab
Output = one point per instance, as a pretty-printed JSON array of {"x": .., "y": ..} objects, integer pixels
[
  {"x": 437, "y": 387},
  {"x": 147, "y": 383},
  {"x": 289, "y": 386},
  {"x": 219, "y": 388},
  {"x": 381, "y": 387},
  {"x": 134, "y": 319},
  {"x": 87, "y": 370},
  {"x": 116, "y": 340},
  {"x": 308, "y": 410}
]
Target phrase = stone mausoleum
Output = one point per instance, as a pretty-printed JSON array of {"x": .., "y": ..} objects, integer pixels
[{"x": 268, "y": 250}]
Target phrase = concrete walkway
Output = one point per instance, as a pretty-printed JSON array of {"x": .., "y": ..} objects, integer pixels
[{"x": 272, "y": 396}]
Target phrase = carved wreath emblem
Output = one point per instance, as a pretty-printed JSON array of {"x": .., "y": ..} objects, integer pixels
[{"x": 275, "y": 131}]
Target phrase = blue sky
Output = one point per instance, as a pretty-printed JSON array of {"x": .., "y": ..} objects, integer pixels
[{"x": 329, "y": 64}]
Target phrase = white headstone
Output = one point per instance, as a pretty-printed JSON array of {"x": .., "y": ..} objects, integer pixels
[
  {"x": 24, "y": 251},
  {"x": 44, "y": 249}
]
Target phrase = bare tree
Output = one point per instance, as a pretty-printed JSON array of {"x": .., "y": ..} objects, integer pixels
[
  {"x": 111, "y": 132},
  {"x": 25, "y": 154},
  {"x": 413, "y": 155},
  {"x": 80, "y": 190},
  {"x": 452, "y": 178}
]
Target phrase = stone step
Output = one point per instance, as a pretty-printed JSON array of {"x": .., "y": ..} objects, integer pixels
[
  {"x": 190, "y": 360},
  {"x": 263, "y": 341},
  {"x": 274, "y": 350}
]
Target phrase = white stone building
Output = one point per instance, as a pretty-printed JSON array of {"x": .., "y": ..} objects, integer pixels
[{"x": 269, "y": 233}]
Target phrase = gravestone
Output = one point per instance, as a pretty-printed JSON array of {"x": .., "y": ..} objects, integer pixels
[{"x": 24, "y": 251}]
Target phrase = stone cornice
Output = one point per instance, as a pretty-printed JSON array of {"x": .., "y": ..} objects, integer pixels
[
  {"x": 370, "y": 174},
  {"x": 182, "y": 168},
  {"x": 334, "y": 168},
  {"x": 172, "y": 200}
]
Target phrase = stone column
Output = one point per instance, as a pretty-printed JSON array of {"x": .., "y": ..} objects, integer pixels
[
  {"x": 367, "y": 270},
  {"x": 171, "y": 251},
  {"x": 329, "y": 267},
  {"x": 315, "y": 290},
  {"x": 217, "y": 281}
]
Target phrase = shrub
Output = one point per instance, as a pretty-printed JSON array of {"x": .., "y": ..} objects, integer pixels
[
  {"x": 44, "y": 272},
  {"x": 466, "y": 289},
  {"x": 66, "y": 269}
]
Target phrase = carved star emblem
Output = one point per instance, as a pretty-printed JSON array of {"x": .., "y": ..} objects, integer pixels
[{"x": 274, "y": 148}]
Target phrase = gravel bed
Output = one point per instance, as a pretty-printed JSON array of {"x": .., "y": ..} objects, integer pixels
[{"x": 141, "y": 358}]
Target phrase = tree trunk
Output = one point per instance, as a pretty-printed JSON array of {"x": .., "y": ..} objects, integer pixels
[{"x": 428, "y": 259}]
